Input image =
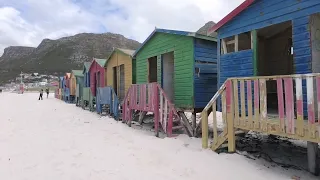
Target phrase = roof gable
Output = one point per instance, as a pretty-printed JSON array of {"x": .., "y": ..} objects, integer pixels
[
  {"x": 231, "y": 15},
  {"x": 86, "y": 67},
  {"x": 100, "y": 62},
  {"x": 77, "y": 73},
  {"x": 173, "y": 32}
]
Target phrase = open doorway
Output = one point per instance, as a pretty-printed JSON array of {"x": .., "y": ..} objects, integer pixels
[
  {"x": 115, "y": 82},
  {"x": 152, "y": 69},
  {"x": 168, "y": 75},
  {"x": 122, "y": 80},
  {"x": 275, "y": 57}
]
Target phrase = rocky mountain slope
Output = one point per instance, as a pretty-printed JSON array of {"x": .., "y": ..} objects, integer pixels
[
  {"x": 61, "y": 55},
  {"x": 54, "y": 57}
]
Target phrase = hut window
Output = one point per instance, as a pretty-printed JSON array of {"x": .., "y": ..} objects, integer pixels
[
  {"x": 244, "y": 41},
  {"x": 236, "y": 43}
]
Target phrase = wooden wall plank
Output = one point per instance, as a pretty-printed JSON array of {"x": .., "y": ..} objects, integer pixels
[
  {"x": 214, "y": 123},
  {"x": 249, "y": 100},
  {"x": 256, "y": 105},
  {"x": 280, "y": 104},
  {"x": 299, "y": 99},
  {"x": 230, "y": 115},
  {"x": 236, "y": 102},
  {"x": 288, "y": 88},
  {"x": 310, "y": 100},
  {"x": 205, "y": 133},
  {"x": 243, "y": 103},
  {"x": 263, "y": 103}
]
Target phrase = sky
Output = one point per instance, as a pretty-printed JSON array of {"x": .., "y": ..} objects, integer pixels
[{"x": 27, "y": 22}]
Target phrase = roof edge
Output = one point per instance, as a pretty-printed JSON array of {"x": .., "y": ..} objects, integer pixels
[{"x": 230, "y": 16}]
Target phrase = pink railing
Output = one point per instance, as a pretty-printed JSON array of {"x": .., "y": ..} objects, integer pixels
[{"x": 150, "y": 98}]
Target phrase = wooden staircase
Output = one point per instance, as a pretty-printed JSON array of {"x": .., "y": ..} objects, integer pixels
[
  {"x": 150, "y": 97},
  {"x": 243, "y": 103}
]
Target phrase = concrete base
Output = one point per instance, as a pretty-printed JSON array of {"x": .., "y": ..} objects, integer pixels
[{"x": 313, "y": 152}]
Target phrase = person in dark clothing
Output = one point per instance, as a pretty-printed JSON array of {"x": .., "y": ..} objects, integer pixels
[
  {"x": 47, "y": 91},
  {"x": 41, "y": 94}
]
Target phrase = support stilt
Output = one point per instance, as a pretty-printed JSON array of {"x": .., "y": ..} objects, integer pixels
[{"x": 313, "y": 151}]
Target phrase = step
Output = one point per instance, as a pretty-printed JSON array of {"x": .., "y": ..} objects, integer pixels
[{"x": 177, "y": 127}]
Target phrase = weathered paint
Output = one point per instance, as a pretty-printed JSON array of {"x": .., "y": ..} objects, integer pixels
[
  {"x": 117, "y": 58},
  {"x": 299, "y": 101},
  {"x": 256, "y": 104},
  {"x": 96, "y": 70},
  {"x": 183, "y": 48},
  {"x": 288, "y": 89},
  {"x": 310, "y": 100},
  {"x": 280, "y": 103}
]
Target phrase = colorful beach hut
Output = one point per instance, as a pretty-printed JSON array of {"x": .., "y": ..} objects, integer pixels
[
  {"x": 183, "y": 63},
  {"x": 97, "y": 79},
  {"x": 176, "y": 71},
  {"x": 265, "y": 42},
  {"x": 86, "y": 94},
  {"x": 119, "y": 71},
  {"x": 76, "y": 86},
  {"x": 66, "y": 81}
]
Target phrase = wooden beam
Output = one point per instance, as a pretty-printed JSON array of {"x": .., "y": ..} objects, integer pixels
[
  {"x": 254, "y": 47},
  {"x": 224, "y": 46},
  {"x": 231, "y": 42}
]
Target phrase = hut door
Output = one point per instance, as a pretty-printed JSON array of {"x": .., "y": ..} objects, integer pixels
[
  {"x": 152, "y": 69},
  {"x": 98, "y": 79},
  {"x": 168, "y": 75},
  {"x": 122, "y": 84},
  {"x": 115, "y": 80}
]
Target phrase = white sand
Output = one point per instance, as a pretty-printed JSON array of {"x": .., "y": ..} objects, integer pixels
[{"x": 52, "y": 140}]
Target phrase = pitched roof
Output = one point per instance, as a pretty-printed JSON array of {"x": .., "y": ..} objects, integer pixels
[
  {"x": 175, "y": 32},
  {"x": 101, "y": 62},
  {"x": 77, "y": 72},
  {"x": 87, "y": 65},
  {"x": 127, "y": 51},
  {"x": 231, "y": 15}
]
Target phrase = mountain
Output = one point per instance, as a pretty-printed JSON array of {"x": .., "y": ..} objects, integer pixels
[
  {"x": 203, "y": 30},
  {"x": 61, "y": 55}
]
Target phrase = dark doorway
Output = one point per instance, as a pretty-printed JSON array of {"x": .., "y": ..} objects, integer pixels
[
  {"x": 275, "y": 57},
  {"x": 152, "y": 69}
]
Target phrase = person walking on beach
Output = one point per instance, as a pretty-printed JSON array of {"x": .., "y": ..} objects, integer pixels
[
  {"x": 41, "y": 94},
  {"x": 47, "y": 91}
]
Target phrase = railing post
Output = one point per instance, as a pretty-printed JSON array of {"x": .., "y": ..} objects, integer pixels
[
  {"x": 170, "y": 123},
  {"x": 230, "y": 117},
  {"x": 156, "y": 109},
  {"x": 205, "y": 134}
]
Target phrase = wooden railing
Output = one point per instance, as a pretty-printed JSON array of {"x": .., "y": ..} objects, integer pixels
[
  {"x": 151, "y": 98},
  {"x": 268, "y": 104}
]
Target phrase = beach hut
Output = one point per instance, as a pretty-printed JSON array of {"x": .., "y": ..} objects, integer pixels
[
  {"x": 276, "y": 39},
  {"x": 118, "y": 80},
  {"x": 76, "y": 86},
  {"x": 119, "y": 71},
  {"x": 97, "y": 78},
  {"x": 66, "y": 81},
  {"x": 61, "y": 87},
  {"x": 86, "y": 85},
  {"x": 183, "y": 64}
]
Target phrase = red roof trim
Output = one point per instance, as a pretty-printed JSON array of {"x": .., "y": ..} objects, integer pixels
[{"x": 231, "y": 15}]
